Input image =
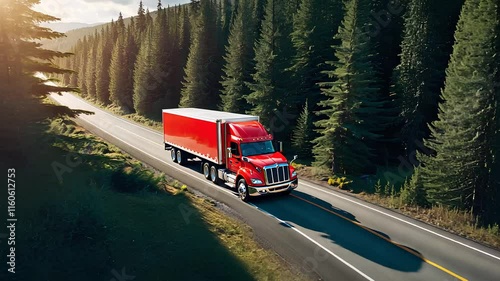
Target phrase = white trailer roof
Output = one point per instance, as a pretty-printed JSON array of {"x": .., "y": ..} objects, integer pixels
[{"x": 211, "y": 115}]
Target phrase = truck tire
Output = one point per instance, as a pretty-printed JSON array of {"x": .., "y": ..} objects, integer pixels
[
  {"x": 205, "y": 169},
  {"x": 180, "y": 157},
  {"x": 214, "y": 177},
  {"x": 172, "y": 154},
  {"x": 242, "y": 188}
]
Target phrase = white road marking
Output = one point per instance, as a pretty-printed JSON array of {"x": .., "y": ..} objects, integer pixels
[
  {"x": 402, "y": 220},
  {"x": 118, "y": 118},
  {"x": 313, "y": 241},
  {"x": 146, "y": 139}
]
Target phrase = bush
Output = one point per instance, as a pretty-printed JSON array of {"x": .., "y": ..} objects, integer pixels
[
  {"x": 493, "y": 229},
  {"x": 340, "y": 182},
  {"x": 378, "y": 188},
  {"x": 413, "y": 192}
]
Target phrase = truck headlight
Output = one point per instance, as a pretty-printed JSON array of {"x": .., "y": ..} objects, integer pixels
[
  {"x": 256, "y": 181},
  {"x": 294, "y": 174}
]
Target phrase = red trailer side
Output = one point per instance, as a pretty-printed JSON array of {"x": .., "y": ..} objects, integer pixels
[
  {"x": 199, "y": 132},
  {"x": 198, "y": 137}
]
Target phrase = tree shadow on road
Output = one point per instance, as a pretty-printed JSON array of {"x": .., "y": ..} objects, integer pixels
[{"x": 343, "y": 229}]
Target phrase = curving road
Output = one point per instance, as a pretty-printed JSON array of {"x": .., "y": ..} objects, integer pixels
[{"x": 327, "y": 234}]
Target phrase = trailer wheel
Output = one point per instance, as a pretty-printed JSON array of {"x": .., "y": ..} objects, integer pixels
[
  {"x": 213, "y": 175},
  {"x": 243, "y": 190},
  {"x": 172, "y": 154},
  {"x": 205, "y": 169},
  {"x": 180, "y": 157}
]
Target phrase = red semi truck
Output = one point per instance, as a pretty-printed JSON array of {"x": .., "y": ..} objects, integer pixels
[{"x": 234, "y": 149}]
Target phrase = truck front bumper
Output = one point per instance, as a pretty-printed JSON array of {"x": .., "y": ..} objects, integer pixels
[{"x": 265, "y": 190}]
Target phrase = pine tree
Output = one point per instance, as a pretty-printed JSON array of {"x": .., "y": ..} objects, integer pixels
[
  {"x": 75, "y": 62},
  {"x": 226, "y": 16},
  {"x": 457, "y": 173},
  {"x": 22, "y": 60},
  {"x": 313, "y": 26},
  {"x": 119, "y": 69},
  {"x": 238, "y": 61},
  {"x": 492, "y": 211},
  {"x": 66, "y": 76},
  {"x": 413, "y": 191},
  {"x": 268, "y": 94},
  {"x": 90, "y": 72},
  {"x": 353, "y": 107},
  {"x": 120, "y": 27},
  {"x": 82, "y": 69},
  {"x": 201, "y": 85},
  {"x": 149, "y": 18},
  {"x": 103, "y": 62},
  {"x": 141, "y": 20},
  {"x": 418, "y": 77},
  {"x": 302, "y": 135},
  {"x": 185, "y": 35},
  {"x": 154, "y": 88},
  {"x": 195, "y": 6},
  {"x": 167, "y": 94},
  {"x": 144, "y": 80},
  {"x": 118, "y": 73},
  {"x": 131, "y": 51},
  {"x": 258, "y": 14}
]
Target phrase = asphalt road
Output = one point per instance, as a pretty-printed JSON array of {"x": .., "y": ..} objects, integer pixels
[{"x": 327, "y": 234}]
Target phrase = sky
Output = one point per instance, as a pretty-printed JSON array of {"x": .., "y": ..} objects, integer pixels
[{"x": 96, "y": 11}]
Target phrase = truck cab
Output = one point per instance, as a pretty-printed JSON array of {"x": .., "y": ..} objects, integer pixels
[{"x": 253, "y": 159}]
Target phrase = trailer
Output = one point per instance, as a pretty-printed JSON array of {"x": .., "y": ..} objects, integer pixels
[{"x": 234, "y": 149}]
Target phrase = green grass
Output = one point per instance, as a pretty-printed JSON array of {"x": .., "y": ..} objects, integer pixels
[{"x": 107, "y": 213}]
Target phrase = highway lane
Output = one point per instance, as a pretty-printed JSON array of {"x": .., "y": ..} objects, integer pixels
[{"x": 326, "y": 233}]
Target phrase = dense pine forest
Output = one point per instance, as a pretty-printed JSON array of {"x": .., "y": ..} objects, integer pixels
[{"x": 403, "y": 92}]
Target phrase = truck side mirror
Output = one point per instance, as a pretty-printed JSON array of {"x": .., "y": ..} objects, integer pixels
[
  {"x": 294, "y": 158},
  {"x": 229, "y": 154},
  {"x": 280, "y": 143},
  {"x": 245, "y": 159}
]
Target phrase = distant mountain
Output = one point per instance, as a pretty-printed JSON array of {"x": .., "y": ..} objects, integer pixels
[
  {"x": 67, "y": 26},
  {"x": 65, "y": 44}
]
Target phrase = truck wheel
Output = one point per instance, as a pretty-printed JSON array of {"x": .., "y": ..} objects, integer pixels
[
  {"x": 243, "y": 190},
  {"x": 172, "y": 154},
  {"x": 205, "y": 169},
  {"x": 180, "y": 157},
  {"x": 213, "y": 175}
]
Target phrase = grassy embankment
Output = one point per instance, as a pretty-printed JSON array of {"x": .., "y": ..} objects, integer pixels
[
  {"x": 87, "y": 211},
  {"x": 386, "y": 194}
]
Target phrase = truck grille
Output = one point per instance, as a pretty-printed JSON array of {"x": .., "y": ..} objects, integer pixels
[{"x": 277, "y": 174}]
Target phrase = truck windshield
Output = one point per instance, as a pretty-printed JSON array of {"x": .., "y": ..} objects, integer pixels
[{"x": 257, "y": 148}]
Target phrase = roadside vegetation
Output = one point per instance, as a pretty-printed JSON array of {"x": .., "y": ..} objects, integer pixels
[
  {"x": 400, "y": 197},
  {"x": 88, "y": 211}
]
